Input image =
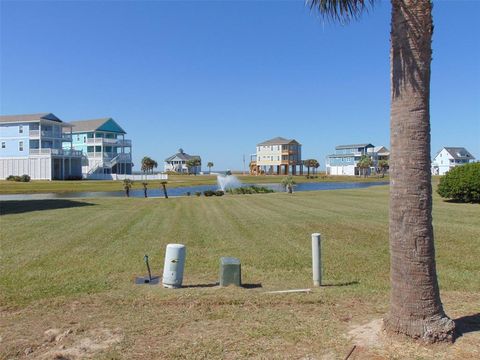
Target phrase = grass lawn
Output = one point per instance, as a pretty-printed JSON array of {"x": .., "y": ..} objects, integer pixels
[
  {"x": 12, "y": 187},
  {"x": 68, "y": 267}
]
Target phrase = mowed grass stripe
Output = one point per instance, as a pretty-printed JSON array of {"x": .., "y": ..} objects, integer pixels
[{"x": 97, "y": 248}]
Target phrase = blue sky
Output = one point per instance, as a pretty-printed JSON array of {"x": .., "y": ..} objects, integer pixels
[{"x": 216, "y": 78}]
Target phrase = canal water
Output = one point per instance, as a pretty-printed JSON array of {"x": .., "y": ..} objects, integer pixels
[{"x": 182, "y": 191}]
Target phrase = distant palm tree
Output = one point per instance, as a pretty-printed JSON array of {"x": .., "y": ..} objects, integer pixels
[
  {"x": 148, "y": 164},
  {"x": 306, "y": 163},
  {"x": 210, "y": 165},
  {"x": 127, "y": 185},
  {"x": 364, "y": 164},
  {"x": 193, "y": 163},
  {"x": 383, "y": 166},
  {"x": 315, "y": 165},
  {"x": 288, "y": 183},
  {"x": 145, "y": 163},
  {"x": 309, "y": 163},
  {"x": 415, "y": 306}
]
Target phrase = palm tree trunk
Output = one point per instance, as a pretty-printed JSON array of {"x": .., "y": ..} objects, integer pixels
[{"x": 415, "y": 306}]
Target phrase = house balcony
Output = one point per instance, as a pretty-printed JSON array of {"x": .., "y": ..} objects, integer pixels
[
  {"x": 49, "y": 134},
  {"x": 109, "y": 156},
  {"x": 109, "y": 142},
  {"x": 56, "y": 152}
]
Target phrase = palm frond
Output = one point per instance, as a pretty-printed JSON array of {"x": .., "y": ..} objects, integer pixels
[{"x": 340, "y": 10}]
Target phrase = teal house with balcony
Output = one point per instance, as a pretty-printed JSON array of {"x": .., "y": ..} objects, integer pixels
[
  {"x": 346, "y": 157},
  {"x": 104, "y": 147},
  {"x": 38, "y": 145}
]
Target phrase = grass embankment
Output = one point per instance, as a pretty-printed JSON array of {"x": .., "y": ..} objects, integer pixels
[
  {"x": 12, "y": 187},
  {"x": 70, "y": 265}
]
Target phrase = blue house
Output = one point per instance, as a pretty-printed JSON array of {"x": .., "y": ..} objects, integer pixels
[
  {"x": 346, "y": 157},
  {"x": 105, "y": 149},
  {"x": 38, "y": 145}
]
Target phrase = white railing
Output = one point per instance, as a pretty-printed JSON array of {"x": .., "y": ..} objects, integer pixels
[
  {"x": 125, "y": 143},
  {"x": 59, "y": 152},
  {"x": 108, "y": 141},
  {"x": 139, "y": 177},
  {"x": 45, "y": 133},
  {"x": 108, "y": 156}
]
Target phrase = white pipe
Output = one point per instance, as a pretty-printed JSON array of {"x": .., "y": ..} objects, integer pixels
[
  {"x": 174, "y": 265},
  {"x": 316, "y": 259}
]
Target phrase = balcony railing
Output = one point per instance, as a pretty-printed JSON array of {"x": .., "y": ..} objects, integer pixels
[
  {"x": 108, "y": 156},
  {"x": 46, "y": 133},
  {"x": 109, "y": 142},
  {"x": 57, "y": 152}
]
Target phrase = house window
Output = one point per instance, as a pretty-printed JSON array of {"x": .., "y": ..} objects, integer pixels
[
  {"x": 20, "y": 129},
  {"x": 3, "y": 145},
  {"x": 20, "y": 146},
  {"x": 84, "y": 139}
]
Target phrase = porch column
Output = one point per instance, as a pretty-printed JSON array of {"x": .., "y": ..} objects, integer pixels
[
  {"x": 101, "y": 150},
  {"x": 123, "y": 156}
]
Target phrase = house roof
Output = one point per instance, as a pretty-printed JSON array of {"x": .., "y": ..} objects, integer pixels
[
  {"x": 28, "y": 118},
  {"x": 278, "y": 141},
  {"x": 103, "y": 124},
  {"x": 380, "y": 150},
  {"x": 182, "y": 156},
  {"x": 339, "y": 147},
  {"x": 458, "y": 153}
]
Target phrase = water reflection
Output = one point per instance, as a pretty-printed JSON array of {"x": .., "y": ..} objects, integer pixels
[{"x": 182, "y": 191}]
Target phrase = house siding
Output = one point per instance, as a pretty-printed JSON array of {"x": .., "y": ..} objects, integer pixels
[
  {"x": 41, "y": 155},
  {"x": 11, "y": 136}
]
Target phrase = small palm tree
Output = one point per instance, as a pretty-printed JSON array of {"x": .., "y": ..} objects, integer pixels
[
  {"x": 193, "y": 164},
  {"x": 127, "y": 185},
  {"x": 145, "y": 163},
  {"x": 210, "y": 165},
  {"x": 309, "y": 163},
  {"x": 364, "y": 163},
  {"x": 315, "y": 165},
  {"x": 383, "y": 166},
  {"x": 288, "y": 183},
  {"x": 148, "y": 164},
  {"x": 164, "y": 187}
]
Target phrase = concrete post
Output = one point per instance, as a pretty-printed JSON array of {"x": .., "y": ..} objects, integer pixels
[{"x": 316, "y": 259}]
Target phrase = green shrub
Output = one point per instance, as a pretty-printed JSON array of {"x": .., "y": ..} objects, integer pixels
[
  {"x": 219, "y": 193},
  {"x": 198, "y": 193},
  {"x": 23, "y": 178},
  {"x": 74, "y": 177},
  {"x": 462, "y": 183},
  {"x": 209, "y": 193},
  {"x": 250, "y": 190}
]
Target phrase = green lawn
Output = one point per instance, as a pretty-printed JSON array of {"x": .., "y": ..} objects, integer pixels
[
  {"x": 70, "y": 265},
  {"x": 12, "y": 187}
]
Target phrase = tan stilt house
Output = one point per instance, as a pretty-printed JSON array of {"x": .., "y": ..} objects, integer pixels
[{"x": 277, "y": 156}]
